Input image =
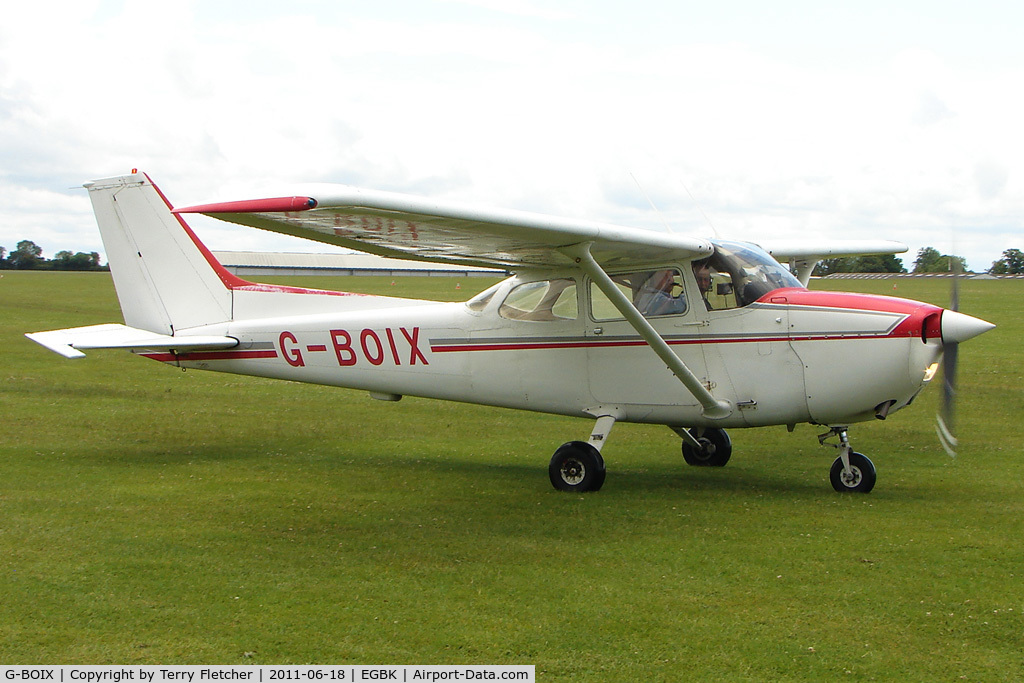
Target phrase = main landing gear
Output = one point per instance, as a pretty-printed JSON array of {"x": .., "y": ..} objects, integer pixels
[
  {"x": 577, "y": 466},
  {"x": 705, "y": 446},
  {"x": 851, "y": 471}
]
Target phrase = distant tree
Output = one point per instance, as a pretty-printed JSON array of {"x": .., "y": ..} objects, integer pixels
[
  {"x": 929, "y": 260},
  {"x": 833, "y": 265},
  {"x": 882, "y": 263},
  {"x": 886, "y": 263},
  {"x": 28, "y": 255},
  {"x": 65, "y": 260},
  {"x": 3, "y": 261},
  {"x": 1012, "y": 263}
]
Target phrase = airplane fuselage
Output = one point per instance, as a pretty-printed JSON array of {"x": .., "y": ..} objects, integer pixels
[{"x": 794, "y": 356}]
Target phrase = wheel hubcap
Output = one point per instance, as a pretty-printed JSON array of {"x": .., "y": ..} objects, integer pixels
[
  {"x": 707, "y": 449},
  {"x": 851, "y": 478},
  {"x": 573, "y": 472}
]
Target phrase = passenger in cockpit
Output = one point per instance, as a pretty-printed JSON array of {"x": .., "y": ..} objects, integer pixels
[{"x": 702, "y": 272}]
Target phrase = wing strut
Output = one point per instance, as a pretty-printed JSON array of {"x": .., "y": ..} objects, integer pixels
[{"x": 713, "y": 408}]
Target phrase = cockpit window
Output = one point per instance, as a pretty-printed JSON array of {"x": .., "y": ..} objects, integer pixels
[
  {"x": 541, "y": 301},
  {"x": 738, "y": 274}
]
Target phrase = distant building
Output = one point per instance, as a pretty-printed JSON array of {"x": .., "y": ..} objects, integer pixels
[
  {"x": 250, "y": 263},
  {"x": 891, "y": 276}
]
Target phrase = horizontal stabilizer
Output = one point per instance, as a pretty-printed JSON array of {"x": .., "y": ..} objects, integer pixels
[{"x": 114, "y": 336}]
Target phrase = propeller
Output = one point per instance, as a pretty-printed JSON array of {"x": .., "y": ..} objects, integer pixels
[
  {"x": 944, "y": 424},
  {"x": 956, "y": 327}
]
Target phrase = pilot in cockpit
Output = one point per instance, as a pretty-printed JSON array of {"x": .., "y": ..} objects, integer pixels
[{"x": 655, "y": 294}]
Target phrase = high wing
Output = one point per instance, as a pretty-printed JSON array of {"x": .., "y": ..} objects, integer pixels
[
  {"x": 802, "y": 256},
  {"x": 396, "y": 225},
  {"x": 414, "y": 228}
]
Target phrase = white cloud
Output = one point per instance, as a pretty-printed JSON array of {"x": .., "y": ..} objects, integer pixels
[
  {"x": 799, "y": 130},
  {"x": 522, "y": 8}
]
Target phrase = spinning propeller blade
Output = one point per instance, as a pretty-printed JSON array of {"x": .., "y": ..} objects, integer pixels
[
  {"x": 944, "y": 420},
  {"x": 956, "y": 327}
]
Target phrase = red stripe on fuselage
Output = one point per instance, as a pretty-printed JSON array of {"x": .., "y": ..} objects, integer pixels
[
  {"x": 209, "y": 355},
  {"x": 484, "y": 345},
  {"x": 848, "y": 300}
]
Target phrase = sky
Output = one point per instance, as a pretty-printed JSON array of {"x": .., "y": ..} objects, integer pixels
[{"x": 748, "y": 120}]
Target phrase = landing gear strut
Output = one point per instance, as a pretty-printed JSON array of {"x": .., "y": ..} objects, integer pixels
[{"x": 851, "y": 471}]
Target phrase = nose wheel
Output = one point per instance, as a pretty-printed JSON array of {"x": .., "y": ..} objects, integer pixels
[
  {"x": 851, "y": 472},
  {"x": 858, "y": 477}
]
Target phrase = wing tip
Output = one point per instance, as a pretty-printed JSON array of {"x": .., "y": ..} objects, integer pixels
[{"x": 270, "y": 205}]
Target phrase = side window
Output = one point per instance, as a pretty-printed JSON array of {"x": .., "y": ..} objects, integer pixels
[
  {"x": 541, "y": 301},
  {"x": 653, "y": 292}
]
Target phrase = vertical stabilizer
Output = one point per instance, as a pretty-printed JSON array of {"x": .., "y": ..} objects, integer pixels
[{"x": 166, "y": 280}]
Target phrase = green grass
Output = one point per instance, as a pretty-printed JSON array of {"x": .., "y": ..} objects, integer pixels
[{"x": 153, "y": 516}]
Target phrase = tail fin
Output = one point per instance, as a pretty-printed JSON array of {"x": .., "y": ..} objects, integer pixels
[{"x": 165, "y": 279}]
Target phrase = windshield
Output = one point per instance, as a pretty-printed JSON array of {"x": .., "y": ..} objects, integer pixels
[{"x": 741, "y": 273}]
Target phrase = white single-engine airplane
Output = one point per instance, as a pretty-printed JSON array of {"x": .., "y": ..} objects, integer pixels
[{"x": 599, "y": 321}]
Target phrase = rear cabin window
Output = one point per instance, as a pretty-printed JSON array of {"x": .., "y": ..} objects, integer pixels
[
  {"x": 541, "y": 301},
  {"x": 480, "y": 301}
]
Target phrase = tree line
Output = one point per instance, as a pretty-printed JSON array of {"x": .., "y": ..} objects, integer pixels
[
  {"x": 29, "y": 256},
  {"x": 929, "y": 260}
]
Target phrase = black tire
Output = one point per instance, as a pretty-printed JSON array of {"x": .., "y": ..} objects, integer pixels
[
  {"x": 861, "y": 478},
  {"x": 716, "y": 448},
  {"x": 577, "y": 467}
]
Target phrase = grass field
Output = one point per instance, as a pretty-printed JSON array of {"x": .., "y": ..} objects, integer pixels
[{"x": 153, "y": 516}]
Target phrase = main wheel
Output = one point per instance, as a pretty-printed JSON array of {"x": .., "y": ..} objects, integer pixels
[
  {"x": 860, "y": 478},
  {"x": 576, "y": 466},
  {"x": 715, "y": 450}
]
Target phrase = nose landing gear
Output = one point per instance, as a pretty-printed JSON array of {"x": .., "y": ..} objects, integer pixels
[{"x": 851, "y": 471}]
